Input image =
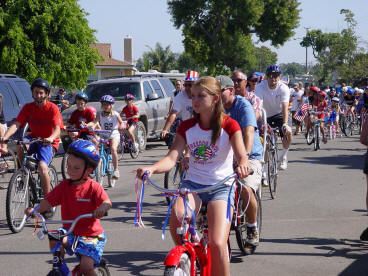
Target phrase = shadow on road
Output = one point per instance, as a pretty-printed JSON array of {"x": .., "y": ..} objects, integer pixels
[
  {"x": 342, "y": 161},
  {"x": 135, "y": 262},
  {"x": 345, "y": 248}
]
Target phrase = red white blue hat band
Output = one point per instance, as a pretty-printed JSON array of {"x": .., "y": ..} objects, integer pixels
[{"x": 191, "y": 76}]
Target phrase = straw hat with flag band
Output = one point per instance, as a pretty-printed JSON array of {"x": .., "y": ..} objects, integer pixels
[{"x": 191, "y": 76}]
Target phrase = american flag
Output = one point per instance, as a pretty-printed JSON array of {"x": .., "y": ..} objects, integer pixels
[{"x": 301, "y": 112}]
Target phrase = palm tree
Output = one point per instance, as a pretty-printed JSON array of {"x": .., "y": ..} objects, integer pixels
[{"x": 160, "y": 59}]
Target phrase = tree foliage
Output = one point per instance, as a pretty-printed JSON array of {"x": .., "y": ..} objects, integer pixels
[
  {"x": 292, "y": 68},
  {"x": 338, "y": 52},
  {"x": 218, "y": 33},
  {"x": 160, "y": 59},
  {"x": 49, "y": 39}
]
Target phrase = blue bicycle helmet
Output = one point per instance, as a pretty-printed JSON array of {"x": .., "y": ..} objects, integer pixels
[
  {"x": 273, "y": 69},
  {"x": 107, "y": 99},
  {"x": 81, "y": 96},
  {"x": 40, "y": 83},
  {"x": 85, "y": 150},
  {"x": 350, "y": 91}
]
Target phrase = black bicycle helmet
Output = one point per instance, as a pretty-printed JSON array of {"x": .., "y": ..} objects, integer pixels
[
  {"x": 40, "y": 83},
  {"x": 85, "y": 150}
]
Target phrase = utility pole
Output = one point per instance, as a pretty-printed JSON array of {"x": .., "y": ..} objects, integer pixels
[{"x": 306, "y": 51}]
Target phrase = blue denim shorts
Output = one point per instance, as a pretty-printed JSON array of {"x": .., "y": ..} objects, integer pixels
[
  {"x": 220, "y": 193},
  {"x": 87, "y": 246},
  {"x": 42, "y": 152}
]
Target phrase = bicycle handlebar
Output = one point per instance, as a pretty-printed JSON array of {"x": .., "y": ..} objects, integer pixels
[
  {"x": 23, "y": 142},
  {"x": 71, "y": 228}
]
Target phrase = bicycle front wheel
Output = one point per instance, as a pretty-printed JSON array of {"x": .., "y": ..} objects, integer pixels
[
  {"x": 316, "y": 137},
  {"x": 99, "y": 172},
  {"x": 272, "y": 168},
  {"x": 172, "y": 179},
  {"x": 17, "y": 200},
  {"x": 110, "y": 170},
  {"x": 183, "y": 268}
]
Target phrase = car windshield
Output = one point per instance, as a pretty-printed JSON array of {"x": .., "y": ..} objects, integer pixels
[{"x": 116, "y": 89}]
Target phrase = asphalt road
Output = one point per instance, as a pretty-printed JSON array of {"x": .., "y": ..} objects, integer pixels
[{"x": 311, "y": 228}]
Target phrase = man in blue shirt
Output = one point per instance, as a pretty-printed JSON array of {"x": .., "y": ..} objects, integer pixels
[{"x": 242, "y": 111}]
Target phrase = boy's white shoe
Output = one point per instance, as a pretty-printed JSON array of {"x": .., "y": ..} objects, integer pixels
[
  {"x": 264, "y": 180},
  {"x": 136, "y": 147}
]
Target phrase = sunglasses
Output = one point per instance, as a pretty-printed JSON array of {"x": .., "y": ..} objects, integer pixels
[
  {"x": 273, "y": 75},
  {"x": 254, "y": 80},
  {"x": 237, "y": 80},
  {"x": 187, "y": 85}
]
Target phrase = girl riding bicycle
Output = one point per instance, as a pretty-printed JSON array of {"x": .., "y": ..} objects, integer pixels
[
  {"x": 212, "y": 139},
  {"x": 80, "y": 195},
  {"x": 108, "y": 119},
  {"x": 335, "y": 112},
  {"x": 131, "y": 113}
]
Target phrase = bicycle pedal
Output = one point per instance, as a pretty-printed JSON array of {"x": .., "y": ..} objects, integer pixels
[{"x": 40, "y": 235}]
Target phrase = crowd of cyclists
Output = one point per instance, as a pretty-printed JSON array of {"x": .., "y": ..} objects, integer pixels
[{"x": 219, "y": 130}]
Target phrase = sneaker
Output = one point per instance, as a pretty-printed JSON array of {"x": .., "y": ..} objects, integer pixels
[
  {"x": 252, "y": 237},
  {"x": 283, "y": 164},
  {"x": 116, "y": 175}
]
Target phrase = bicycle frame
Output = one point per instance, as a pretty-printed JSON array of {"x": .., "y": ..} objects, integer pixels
[{"x": 197, "y": 250}]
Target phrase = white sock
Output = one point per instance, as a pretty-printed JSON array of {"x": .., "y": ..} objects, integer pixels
[
  {"x": 252, "y": 224},
  {"x": 284, "y": 153}
]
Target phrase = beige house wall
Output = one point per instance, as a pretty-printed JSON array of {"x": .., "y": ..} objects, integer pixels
[{"x": 105, "y": 73}]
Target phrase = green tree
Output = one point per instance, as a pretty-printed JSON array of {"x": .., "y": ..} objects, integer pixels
[
  {"x": 292, "y": 68},
  {"x": 49, "y": 39},
  {"x": 185, "y": 62},
  {"x": 264, "y": 57},
  {"x": 160, "y": 59},
  {"x": 218, "y": 33},
  {"x": 335, "y": 52}
]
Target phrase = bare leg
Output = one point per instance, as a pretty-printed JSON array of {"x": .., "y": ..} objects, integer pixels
[{"x": 45, "y": 178}]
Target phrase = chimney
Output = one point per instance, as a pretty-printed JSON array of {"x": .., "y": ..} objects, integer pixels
[{"x": 128, "y": 49}]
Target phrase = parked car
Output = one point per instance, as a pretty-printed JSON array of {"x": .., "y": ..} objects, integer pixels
[
  {"x": 152, "y": 97},
  {"x": 16, "y": 92}
]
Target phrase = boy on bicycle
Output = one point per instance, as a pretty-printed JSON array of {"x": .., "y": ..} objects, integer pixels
[
  {"x": 131, "y": 113},
  {"x": 77, "y": 196}
]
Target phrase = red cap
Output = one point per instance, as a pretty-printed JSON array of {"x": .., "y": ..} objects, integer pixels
[{"x": 315, "y": 89}]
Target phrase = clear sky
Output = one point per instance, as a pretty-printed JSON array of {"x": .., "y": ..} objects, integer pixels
[{"x": 148, "y": 22}]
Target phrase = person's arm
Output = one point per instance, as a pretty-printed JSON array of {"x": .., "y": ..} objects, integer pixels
[
  {"x": 285, "y": 113},
  {"x": 239, "y": 152},
  {"x": 121, "y": 123},
  {"x": 364, "y": 134},
  {"x": 44, "y": 206},
  {"x": 102, "y": 209},
  {"x": 169, "y": 161},
  {"x": 11, "y": 130},
  {"x": 169, "y": 121},
  {"x": 248, "y": 138}
]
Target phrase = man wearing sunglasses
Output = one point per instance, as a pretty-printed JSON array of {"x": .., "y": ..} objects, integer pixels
[
  {"x": 239, "y": 79},
  {"x": 275, "y": 96},
  {"x": 182, "y": 103}
]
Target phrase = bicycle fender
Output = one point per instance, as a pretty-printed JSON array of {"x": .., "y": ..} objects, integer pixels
[{"x": 173, "y": 257}]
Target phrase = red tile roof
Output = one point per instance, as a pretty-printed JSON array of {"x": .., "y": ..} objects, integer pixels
[{"x": 105, "y": 51}]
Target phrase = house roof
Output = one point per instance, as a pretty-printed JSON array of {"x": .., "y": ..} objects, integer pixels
[{"x": 104, "y": 50}]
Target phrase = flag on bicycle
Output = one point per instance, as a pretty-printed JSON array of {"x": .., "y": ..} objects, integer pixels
[{"x": 301, "y": 112}]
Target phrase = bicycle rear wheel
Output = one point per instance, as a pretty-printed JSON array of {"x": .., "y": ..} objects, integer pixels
[
  {"x": 172, "y": 179},
  {"x": 102, "y": 269},
  {"x": 17, "y": 200},
  {"x": 241, "y": 228},
  {"x": 183, "y": 268}
]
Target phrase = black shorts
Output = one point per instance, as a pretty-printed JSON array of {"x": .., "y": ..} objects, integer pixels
[
  {"x": 276, "y": 121},
  {"x": 365, "y": 169},
  {"x": 132, "y": 124}
]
